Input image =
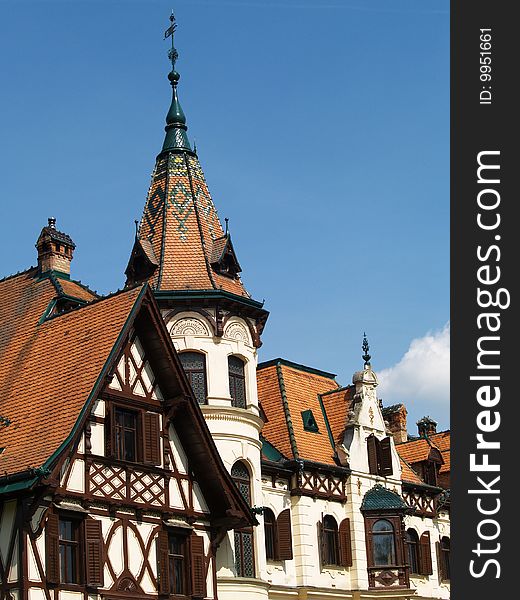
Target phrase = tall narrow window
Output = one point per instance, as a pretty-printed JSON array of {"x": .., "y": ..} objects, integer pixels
[
  {"x": 412, "y": 544},
  {"x": 330, "y": 541},
  {"x": 244, "y": 551},
  {"x": 383, "y": 543},
  {"x": 177, "y": 564},
  {"x": 194, "y": 365},
  {"x": 125, "y": 429},
  {"x": 270, "y": 534},
  {"x": 69, "y": 544},
  {"x": 237, "y": 382}
]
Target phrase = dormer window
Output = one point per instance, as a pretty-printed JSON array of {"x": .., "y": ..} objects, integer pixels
[
  {"x": 309, "y": 422},
  {"x": 379, "y": 456},
  {"x": 223, "y": 258}
]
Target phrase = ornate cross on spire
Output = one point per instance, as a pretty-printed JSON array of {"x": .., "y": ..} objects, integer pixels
[
  {"x": 173, "y": 55},
  {"x": 365, "y": 347}
]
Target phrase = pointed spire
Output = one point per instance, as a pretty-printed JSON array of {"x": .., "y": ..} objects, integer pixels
[{"x": 176, "y": 136}]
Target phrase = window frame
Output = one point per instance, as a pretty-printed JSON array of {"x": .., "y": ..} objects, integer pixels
[
  {"x": 412, "y": 547},
  {"x": 445, "y": 552},
  {"x": 243, "y": 483},
  {"x": 138, "y": 434},
  {"x": 173, "y": 557},
  {"x": 330, "y": 542},
  {"x": 204, "y": 371},
  {"x": 235, "y": 378},
  {"x": 78, "y": 546},
  {"x": 379, "y": 535},
  {"x": 270, "y": 526}
]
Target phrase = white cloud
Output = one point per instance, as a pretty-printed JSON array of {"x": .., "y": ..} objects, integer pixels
[{"x": 421, "y": 379}]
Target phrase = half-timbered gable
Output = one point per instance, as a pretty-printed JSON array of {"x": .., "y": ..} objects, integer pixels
[{"x": 122, "y": 491}]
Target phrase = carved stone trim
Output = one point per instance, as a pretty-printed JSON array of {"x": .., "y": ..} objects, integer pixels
[{"x": 189, "y": 326}]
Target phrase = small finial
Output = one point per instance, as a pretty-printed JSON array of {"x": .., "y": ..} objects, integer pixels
[
  {"x": 365, "y": 347},
  {"x": 52, "y": 222},
  {"x": 227, "y": 225},
  {"x": 136, "y": 223},
  {"x": 194, "y": 146}
]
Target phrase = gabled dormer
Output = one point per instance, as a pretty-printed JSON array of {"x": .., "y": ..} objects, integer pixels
[{"x": 223, "y": 258}]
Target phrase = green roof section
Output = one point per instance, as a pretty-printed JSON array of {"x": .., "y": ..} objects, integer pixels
[
  {"x": 270, "y": 452},
  {"x": 176, "y": 137},
  {"x": 381, "y": 498}
]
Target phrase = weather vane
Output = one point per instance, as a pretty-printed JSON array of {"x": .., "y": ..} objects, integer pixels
[
  {"x": 365, "y": 347},
  {"x": 173, "y": 55}
]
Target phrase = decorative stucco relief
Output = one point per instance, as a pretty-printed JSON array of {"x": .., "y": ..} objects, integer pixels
[
  {"x": 238, "y": 332},
  {"x": 189, "y": 326}
]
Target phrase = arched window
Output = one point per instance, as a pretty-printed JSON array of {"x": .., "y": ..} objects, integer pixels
[
  {"x": 194, "y": 365},
  {"x": 270, "y": 534},
  {"x": 412, "y": 544},
  {"x": 383, "y": 543},
  {"x": 237, "y": 382},
  {"x": 244, "y": 550},
  {"x": 330, "y": 541},
  {"x": 444, "y": 558}
]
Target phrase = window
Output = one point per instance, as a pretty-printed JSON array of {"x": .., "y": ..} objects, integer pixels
[
  {"x": 335, "y": 542},
  {"x": 379, "y": 456},
  {"x": 309, "y": 422},
  {"x": 69, "y": 546},
  {"x": 74, "y": 550},
  {"x": 270, "y": 534},
  {"x": 244, "y": 552},
  {"x": 383, "y": 544},
  {"x": 125, "y": 430},
  {"x": 194, "y": 365},
  {"x": 177, "y": 563},
  {"x": 181, "y": 564},
  {"x": 237, "y": 382},
  {"x": 330, "y": 541},
  {"x": 444, "y": 559},
  {"x": 412, "y": 544}
]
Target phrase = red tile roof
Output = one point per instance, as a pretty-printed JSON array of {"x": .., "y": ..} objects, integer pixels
[
  {"x": 302, "y": 388},
  {"x": 43, "y": 363}
]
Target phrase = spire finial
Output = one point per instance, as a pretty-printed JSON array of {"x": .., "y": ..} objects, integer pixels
[
  {"x": 365, "y": 347},
  {"x": 227, "y": 225},
  {"x": 176, "y": 137}
]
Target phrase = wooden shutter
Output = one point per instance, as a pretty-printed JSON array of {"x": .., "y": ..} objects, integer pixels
[
  {"x": 425, "y": 554},
  {"x": 372, "y": 445},
  {"x": 321, "y": 545},
  {"x": 284, "y": 535},
  {"x": 163, "y": 579},
  {"x": 152, "y": 442},
  {"x": 109, "y": 430},
  {"x": 93, "y": 553},
  {"x": 441, "y": 571},
  {"x": 52, "y": 548},
  {"x": 198, "y": 567},
  {"x": 385, "y": 456},
  {"x": 345, "y": 544}
]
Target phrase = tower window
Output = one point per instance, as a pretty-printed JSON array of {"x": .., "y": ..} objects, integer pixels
[
  {"x": 270, "y": 534},
  {"x": 237, "y": 382},
  {"x": 330, "y": 549},
  {"x": 244, "y": 551},
  {"x": 194, "y": 365}
]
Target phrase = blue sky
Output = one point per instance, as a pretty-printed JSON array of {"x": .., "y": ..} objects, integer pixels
[{"x": 323, "y": 131}]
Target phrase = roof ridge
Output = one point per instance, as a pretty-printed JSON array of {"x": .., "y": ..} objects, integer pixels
[
  {"x": 287, "y": 412},
  {"x": 197, "y": 216},
  {"x": 327, "y": 424},
  {"x": 295, "y": 366},
  {"x": 96, "y": 301},
  {"x": 342, "y": 388},
  {"x": 13, "y": 275},
  {"x": 56, "y": 284}
]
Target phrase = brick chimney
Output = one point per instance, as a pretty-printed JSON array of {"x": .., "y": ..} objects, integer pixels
[
  {"x": 395, "y": 416},
  {"x": 426, "y": 426},
  {"x": 55, "y": 249}
]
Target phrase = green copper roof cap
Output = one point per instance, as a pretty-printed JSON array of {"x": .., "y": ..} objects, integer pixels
[
  {"x": 176, "y": 136},
  {"x": 381, "y": 498}
]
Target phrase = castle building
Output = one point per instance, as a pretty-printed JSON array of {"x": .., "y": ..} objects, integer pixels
[{"x": 145, "y": 453}]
